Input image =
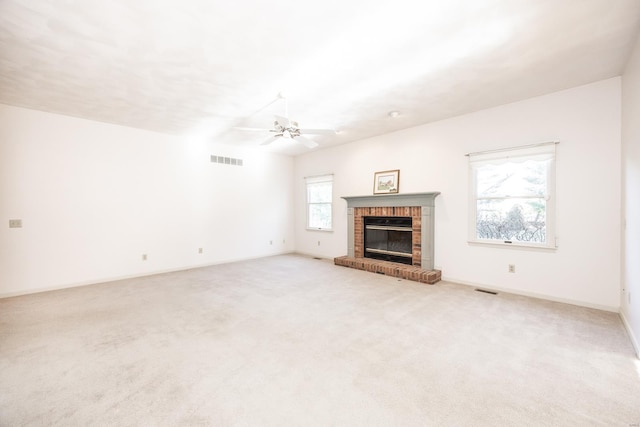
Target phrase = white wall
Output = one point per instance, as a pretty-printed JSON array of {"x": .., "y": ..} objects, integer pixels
[
  {"x": 94, "y": 197},
  {"x": 630, "y": 305},
  {"x": 585, "y": 269}
]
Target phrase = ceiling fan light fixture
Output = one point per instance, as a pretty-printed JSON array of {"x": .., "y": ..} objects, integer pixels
[
  {"x": 393, "y": 114},
  {"x": 284, "y": 127}
]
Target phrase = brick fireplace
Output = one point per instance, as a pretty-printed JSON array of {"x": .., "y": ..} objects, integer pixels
[
  {"x": 415, "y": 213},
  {"x": 417, "y": 206}
]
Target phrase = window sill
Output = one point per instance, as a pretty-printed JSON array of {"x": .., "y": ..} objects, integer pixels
[
  {"x": 330, "y": 230},
  {"x": 515, "y": 245}
]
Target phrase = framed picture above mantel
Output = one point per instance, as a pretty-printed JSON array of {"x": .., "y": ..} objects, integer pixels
[{"x": 386, "y": 182}]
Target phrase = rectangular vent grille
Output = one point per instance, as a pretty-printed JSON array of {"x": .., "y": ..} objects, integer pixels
[
  {"x": 486, "y": 291},
  {"x": 226, "y": 160}
]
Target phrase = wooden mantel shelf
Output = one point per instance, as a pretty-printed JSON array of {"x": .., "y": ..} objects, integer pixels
[{"x": 391, "y": 200}]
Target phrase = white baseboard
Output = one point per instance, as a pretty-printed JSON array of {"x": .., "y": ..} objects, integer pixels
[
  {"x": 310, "y": 255},
  {"x": 632, "y": 336},
  {"x": 131, "y": 276},
  {"x": 534, "y": 295}
]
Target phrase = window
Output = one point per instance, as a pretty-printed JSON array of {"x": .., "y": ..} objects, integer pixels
[
  {"x": 319, "y": 202},
  {"x": 513, "y": 196}
]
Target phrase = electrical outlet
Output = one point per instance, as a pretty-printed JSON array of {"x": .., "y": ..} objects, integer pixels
[
  {"x": 144, "y": 257},
  {"x": 15, "y": 223},
  {"x": 199, "y": 250},
  {"x": 318, "y": 242},
  {"x": 512, "y": 268},
  {"x": 284, "y": 241},
  {"x": 271, "y": 242}
]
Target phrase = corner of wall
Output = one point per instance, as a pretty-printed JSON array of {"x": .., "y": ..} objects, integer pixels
[
  {"x": 630, "y": 205},
  {"x": 632, "y": 334}
]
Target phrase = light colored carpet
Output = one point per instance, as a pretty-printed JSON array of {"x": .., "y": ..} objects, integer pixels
[{"x": 290, "y": 340}]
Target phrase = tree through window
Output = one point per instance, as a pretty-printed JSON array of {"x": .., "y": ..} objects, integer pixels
[{"x": 513, "y": 198}]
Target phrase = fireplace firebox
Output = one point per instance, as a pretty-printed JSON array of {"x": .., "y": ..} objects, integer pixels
[{"x": 388, "y": 238}]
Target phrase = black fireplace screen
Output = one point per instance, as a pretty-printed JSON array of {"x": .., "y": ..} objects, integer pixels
[{"x": 388, "y": 238}]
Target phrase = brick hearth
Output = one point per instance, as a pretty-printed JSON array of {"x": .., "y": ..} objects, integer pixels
[{"x": 393, "y": 269}]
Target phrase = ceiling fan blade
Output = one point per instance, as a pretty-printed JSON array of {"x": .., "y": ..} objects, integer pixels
[
  {"x": 318, "y": 131},
  {"x": 270, "y": 140},
  {"x": 251, "y": 129},
  {"x": 306, "y": 141},
  {"x": 284, "y": 122}
]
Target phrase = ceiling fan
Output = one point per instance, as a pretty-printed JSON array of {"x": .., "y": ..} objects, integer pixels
[{"x": 283, "y": 127}]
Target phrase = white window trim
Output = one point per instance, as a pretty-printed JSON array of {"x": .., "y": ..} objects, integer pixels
[
  {"x": 322, "y": 230},
  {"x": 542, "y": 149},
  {"x": 314, "y": 180}
]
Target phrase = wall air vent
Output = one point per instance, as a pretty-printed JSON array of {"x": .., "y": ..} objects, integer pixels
[{"x": 226, "y": 160}]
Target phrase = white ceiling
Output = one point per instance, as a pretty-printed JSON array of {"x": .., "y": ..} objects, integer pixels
[{"x": 203, "y": 67}]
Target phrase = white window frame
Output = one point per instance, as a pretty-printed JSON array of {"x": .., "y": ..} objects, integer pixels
[
  {"x": 542, "y": 151},
  {"x": 320, "y": 179}
]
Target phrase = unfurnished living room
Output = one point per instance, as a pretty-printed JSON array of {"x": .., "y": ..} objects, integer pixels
[{"x": 336, "y": 213}]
